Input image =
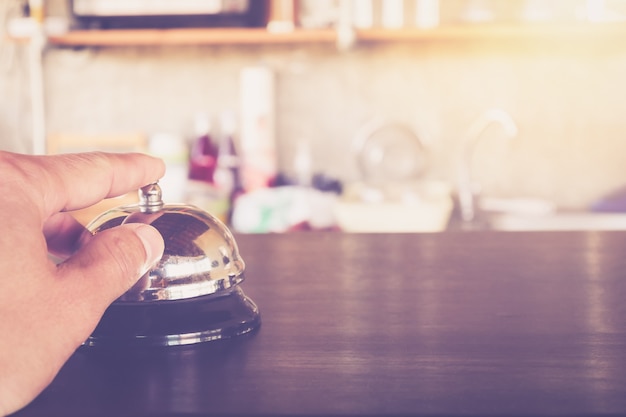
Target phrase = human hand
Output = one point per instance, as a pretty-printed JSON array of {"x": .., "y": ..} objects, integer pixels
[{"x": 47, "y": 310}]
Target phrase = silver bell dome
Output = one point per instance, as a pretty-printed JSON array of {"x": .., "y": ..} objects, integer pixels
[
  {"x": 200, "y": 266},
  {"x": 200, "y": 258}
]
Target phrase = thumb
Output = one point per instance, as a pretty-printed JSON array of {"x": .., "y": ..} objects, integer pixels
[
  {"x": 108, "y": 265},
  {"x": 85, "y": 285}
]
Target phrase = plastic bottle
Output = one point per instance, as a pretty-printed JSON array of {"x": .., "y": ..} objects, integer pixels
[
  {"x": 173, "y": 149},
  {"x": 201, "y": 190},
  {"x": 227, "y": 177},
  {"x": 203, "y": 154},
  {"x": 258, "y": 127},
  {"x": 427, "y": 14}
]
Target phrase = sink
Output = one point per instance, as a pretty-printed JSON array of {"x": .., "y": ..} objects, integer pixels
[
  {"x": 557, "y": 221},
  {"x": 523, "y": 214}
]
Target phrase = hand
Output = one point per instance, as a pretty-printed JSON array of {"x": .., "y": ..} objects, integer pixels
[{"x": 47, "y": 310}]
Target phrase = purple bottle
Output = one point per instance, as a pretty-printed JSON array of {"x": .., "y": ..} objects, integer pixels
[{"x": 204, "y": 152}]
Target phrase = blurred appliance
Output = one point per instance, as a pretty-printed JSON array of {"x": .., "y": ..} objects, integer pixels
[{"x": 111, "y": 14}]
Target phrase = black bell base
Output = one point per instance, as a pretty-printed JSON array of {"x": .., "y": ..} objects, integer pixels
[{"x": 176, "y": 322}]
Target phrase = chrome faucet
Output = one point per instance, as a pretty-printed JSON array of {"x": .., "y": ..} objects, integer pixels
[{"x": 465, "y": 187}]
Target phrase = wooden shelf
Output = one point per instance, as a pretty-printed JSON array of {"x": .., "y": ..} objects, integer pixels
[
  {"x": 221, "y": 36},
  {"x": 497, "y": 31},
  {"x": 238, "y": 36}
]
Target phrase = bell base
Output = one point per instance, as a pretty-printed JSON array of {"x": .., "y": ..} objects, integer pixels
[{"x": 176, "y": 322}]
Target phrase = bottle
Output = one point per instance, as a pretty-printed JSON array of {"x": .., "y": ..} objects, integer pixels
[
  {"x": 282, "y": 16},
  {"x": 362, "y": 12},
  {"x": 427, "y": 14},
  {"x": 302, "y": 164},
  {"x": 258, "y": 128},
  {"x": 393, "y": 14},
  {"x": 173, "y": 150},
  {"x": 227, "y": 178},
  {"x": 203, "y": 153},
  {"x": 202, "y": 190}
]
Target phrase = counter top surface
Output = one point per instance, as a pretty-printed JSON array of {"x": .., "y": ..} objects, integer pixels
[{"x": 432, "y": 324}]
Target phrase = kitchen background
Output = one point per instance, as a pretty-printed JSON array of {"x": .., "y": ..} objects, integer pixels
[{"x": 565, "y": 93}]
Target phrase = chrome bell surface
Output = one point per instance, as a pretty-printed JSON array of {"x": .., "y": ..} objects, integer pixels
[{"x": 192, "y": 294}]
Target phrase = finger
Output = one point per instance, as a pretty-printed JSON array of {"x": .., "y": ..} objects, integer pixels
[
  {"x": 64, "y": 235},
  {"x": 74, "y": 181},
  {"x": 106, "y": 267}
]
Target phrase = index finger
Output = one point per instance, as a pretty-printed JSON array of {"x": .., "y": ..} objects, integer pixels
[{"x": 73, "y": 181}]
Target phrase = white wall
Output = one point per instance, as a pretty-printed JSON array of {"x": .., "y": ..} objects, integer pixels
[{"x": 567, "y": 97}]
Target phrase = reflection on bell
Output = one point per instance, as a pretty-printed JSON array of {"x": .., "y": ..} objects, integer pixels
[{"x": 192, "y": 294}]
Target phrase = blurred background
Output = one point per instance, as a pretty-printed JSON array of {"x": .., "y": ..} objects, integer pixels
[{"x": 363, "y": 115}]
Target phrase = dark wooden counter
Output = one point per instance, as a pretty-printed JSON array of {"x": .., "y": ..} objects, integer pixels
[{"x": 445, "y": 324}]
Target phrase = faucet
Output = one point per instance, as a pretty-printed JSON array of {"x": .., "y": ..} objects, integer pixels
[{"x": 466, "y": 190}]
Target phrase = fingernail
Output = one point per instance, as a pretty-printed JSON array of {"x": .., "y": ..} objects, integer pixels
[{"x": 152, "y": 243}]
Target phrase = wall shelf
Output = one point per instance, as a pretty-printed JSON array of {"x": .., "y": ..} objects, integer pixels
[
  {"x": 238, "y": 36},
  {"x": 497, "y": 31},
  {"x": 193, "y": 36}
]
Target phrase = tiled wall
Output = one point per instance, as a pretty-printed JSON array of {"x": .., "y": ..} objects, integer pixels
[{"x": 568, "y": 99}]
